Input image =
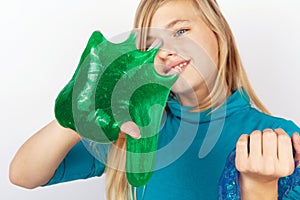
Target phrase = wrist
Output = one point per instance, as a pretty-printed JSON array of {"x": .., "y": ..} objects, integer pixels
[{"x": 258, "y": 189}]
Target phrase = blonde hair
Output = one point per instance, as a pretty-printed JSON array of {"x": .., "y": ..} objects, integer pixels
[
  {"x": 117, "y": 187},
  {"x": 231, "y": 77}
]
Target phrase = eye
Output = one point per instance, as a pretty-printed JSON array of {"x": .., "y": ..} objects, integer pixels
[{"x": 180, "y": 32}]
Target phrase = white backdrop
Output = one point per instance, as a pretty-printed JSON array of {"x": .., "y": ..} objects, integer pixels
[{"x": 41, "y": 43}]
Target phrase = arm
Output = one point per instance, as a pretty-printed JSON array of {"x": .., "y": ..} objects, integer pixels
[
  {"x": 268, "y": 158},
  {"x": 252, "y": 189},
  {"x": 36, "y": 161}
]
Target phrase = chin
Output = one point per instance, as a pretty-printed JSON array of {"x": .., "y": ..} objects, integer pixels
[
  {"x": 183, "y": 89},
  {"x": 184, "y": 84}
]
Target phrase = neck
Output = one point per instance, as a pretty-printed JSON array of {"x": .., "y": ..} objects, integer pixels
[
  {"x": 193, "y": 98},
  {"x": 197, "y": 97}
]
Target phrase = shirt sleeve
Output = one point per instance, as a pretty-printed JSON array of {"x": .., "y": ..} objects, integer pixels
[
  {"x": 288, "y": 126},
  {"x": 294, "y": 194},
  {"x": 78, "y": 164}
]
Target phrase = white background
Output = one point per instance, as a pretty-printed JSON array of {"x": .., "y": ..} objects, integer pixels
[{"x": 41, "y": 43}]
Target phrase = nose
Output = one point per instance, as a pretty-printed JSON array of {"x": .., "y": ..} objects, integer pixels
[{"x": 164, "y": 53}]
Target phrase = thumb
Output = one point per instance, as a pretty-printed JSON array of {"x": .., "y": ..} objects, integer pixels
[
  {"x": 132, "y": 129},
  {"x": 296, "y": 144}
]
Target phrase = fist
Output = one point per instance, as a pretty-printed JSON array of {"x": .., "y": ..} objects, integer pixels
[{"x": 265, "y": 156}]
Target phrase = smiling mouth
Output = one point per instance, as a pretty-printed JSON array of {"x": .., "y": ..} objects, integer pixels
[{"x": 177, "y": 68}]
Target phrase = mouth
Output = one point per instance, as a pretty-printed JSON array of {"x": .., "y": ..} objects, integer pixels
[{"x": 176, "y": 68}]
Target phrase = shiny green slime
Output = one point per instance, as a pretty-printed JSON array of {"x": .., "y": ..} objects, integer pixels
[{"x": 113, "y": 84}]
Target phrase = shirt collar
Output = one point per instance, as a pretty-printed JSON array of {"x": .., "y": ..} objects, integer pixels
[{"x": 239, "y": 100}]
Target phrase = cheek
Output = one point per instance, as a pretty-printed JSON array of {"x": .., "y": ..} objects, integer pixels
[
  {"x": 158, "y": 66},
  {"x": 210, "y": 44},
  {"x": 213, "y": 49},
  {"x": 188, "y": 82},
  {"x": 156, "y": 60},
  {"x": 208, "y": 41}
]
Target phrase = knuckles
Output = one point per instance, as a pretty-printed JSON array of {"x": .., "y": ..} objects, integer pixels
[
  {"x": 241, "y": 166},
  {"x": 284, "y": 138},
  {"x": 265, "y": 166}
]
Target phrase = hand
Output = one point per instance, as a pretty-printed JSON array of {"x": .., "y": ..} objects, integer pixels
[
  {"x": 262, "y": 158},
  {"x": 131, "y": 129},
  {"x": 296, "y": 145},
  {"x": 116, "y": 88}
]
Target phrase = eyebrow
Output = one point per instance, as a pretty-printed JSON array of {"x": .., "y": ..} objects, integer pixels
[
  {"x": 170, "y": 25},
  {"x": 175, "y": 22}
]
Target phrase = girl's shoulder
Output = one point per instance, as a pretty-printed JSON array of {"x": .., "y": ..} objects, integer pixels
[{"x": 275, "y": 121}]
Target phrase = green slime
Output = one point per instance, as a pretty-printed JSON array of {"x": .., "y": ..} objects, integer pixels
[{"x": 113, "y": 84}]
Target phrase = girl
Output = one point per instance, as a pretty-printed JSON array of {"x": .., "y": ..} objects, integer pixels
[{"x": 211, "y": 110}]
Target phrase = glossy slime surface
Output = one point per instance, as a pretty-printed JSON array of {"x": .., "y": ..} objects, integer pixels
[{"x": 113, "y": 84}]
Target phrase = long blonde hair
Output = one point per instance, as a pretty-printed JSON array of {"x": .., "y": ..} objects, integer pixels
[{"x": 231, "y": 74}]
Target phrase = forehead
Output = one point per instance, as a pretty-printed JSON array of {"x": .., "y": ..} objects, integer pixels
[{"x": 180, "y": 10}]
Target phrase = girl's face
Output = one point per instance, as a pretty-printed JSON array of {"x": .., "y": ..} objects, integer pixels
[{"x": 189, "y": 49}]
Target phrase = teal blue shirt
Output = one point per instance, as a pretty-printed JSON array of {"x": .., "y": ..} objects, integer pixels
[{"x": 193, "y": 148}]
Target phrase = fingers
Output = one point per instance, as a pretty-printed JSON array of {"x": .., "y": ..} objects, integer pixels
[
  {"x": 242, "y": 152},
  {"x": 255, "y": 144},
  {"x": 296, "y": 144},
  {"x": 269, "y": 143},
  {"x": 131, "y": 129},
  {"x": 284, "y": 145},
  {"x": 285, "y": 152},
  {"x": 269, "y": 154}
]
